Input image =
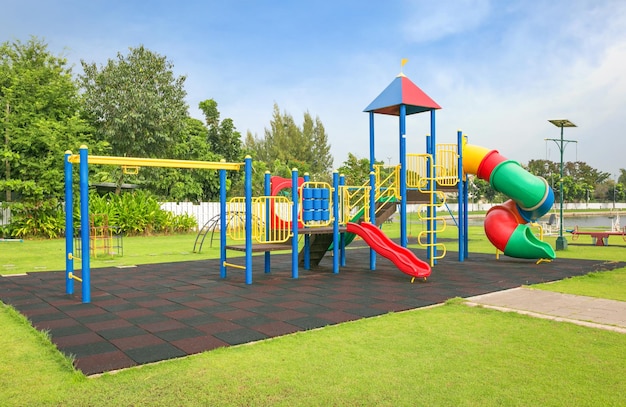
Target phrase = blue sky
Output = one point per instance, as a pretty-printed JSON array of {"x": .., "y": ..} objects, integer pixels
[{"x": 499, "y": 69}]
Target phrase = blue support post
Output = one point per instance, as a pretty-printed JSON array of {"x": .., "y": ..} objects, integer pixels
[
  {"x": 461, "y": 201},
  {"x": 372, "y": 214},
  {"x": 223, "y": 222},
  {"x": 69, "y": 225},
  {"x": 372, "y": 143},
  {"x": 335, "y": 222},
  {"x": 248, "y": 204},
  {"x": 307, "y": 237},
  {"x": 294, "y": 223},
  {"x": 268, "y": 222},
  {"x": 404, "y": 241},
  {"x": 84, "y": 225},
  {"x": 433, "y": 148},
  {"x": 465, "y": 203},
  {"x": 342, "y": 248}
]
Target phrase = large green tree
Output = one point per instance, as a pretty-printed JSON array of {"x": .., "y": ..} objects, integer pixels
[
  {"x": 38, "y": 119},
  {"x": 288, "y": 145},
  {"x": 185, "y": 184},
  {"x": 136, "y": 103},
  {"x": 222, "y": 137},
  {"x": 38, "y": 122},
  {"x": 212, "y": 141}
]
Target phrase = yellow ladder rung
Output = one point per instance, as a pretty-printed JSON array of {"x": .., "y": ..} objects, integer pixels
[{"x": 237, "y": 266}]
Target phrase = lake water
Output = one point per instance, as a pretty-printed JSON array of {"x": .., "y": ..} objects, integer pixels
[{"x": 588, "y": 221}]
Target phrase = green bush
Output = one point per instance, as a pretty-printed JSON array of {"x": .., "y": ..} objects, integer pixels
[
  {"x": 36, "y": 219},
  {"x": 137, "y": 213}
]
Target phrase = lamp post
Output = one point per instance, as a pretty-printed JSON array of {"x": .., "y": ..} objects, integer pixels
[{"x": 561, "y": 242}]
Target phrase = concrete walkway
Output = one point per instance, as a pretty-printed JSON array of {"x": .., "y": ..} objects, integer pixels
[{"x": 576, "y": 309}]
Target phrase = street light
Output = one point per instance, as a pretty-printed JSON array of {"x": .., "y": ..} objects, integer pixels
[{"x": 561, "y": 242}]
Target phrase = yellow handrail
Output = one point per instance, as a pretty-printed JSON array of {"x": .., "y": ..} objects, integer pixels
[{"x": 271, "y": 217}]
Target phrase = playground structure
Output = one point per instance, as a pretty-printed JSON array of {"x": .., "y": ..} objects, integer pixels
[
  {"x": 105, "y": 240},
  {"x": 601, "y": 238},
  {"x": 330, "y": 215},
  {"x": 83, "y": 160}
]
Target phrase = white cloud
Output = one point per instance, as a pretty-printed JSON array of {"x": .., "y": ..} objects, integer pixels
[{"x": 427, "y": 21}]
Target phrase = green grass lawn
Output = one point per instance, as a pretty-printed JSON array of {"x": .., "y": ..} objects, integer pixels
[
  {"x": 609, "y": 285},
  {"x": 453, "y": 355}
]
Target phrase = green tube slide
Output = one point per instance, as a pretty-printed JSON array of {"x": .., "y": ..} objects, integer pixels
[{"x": 510, "y": 178}]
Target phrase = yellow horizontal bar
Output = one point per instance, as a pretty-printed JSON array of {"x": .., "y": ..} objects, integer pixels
[
  {"x": 155, "y": 162},
  {"x": 72, "y": 276},
  {"x": 237, "y": 266}
]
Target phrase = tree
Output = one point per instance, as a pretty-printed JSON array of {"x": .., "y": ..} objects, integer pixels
[
  {"x": 355, "y": 170},
  {"x": 186, "y": 184},
  {"x": 222, "y": 137},
  {"x": 285, "y": 143},
  {"x": 38, "y": 119},
  {"x": 212, "y": 141},
  {"x": 580, "y": 180},
  {"x": 622, "y": 176},
  {"x": 135, "y": 103},
  {"x": 39, "y": 122},
  {"x": 322, "y": 158}
]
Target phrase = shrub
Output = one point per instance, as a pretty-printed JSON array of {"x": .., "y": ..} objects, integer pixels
[
  {"x": 138, "y": 213},
  {"x": 36, "y": 219}
]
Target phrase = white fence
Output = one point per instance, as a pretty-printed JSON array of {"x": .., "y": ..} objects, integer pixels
[
  {"x": 205, "y": 211},
  {"x": 5, "y": 216}
]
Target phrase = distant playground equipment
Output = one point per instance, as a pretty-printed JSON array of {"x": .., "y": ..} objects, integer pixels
[
  {"x": 310, "y": 218},
  {"x": 105, "y": 240},
  {"x": 601, "y": 238},
  {"x": 552, "y": 226}
]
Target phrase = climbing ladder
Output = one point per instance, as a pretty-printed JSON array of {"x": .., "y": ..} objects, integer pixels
[{"x": 426, "y": 177}]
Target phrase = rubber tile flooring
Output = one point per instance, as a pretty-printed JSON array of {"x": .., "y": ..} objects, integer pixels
[{"x": 163, "y": 311}]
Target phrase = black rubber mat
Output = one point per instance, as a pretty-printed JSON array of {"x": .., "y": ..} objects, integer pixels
[{"x": 163, "y": 311}]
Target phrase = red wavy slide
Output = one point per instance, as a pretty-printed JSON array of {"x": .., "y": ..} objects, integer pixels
[{"x": 402, "y": 257}]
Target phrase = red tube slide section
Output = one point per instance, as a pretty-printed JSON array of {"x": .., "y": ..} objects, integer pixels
[{"x": 403, "y": 258}]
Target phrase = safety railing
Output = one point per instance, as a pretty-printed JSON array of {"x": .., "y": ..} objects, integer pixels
[
  {"x": 271, "y": 219},
  {"x": 236, "y": 216},
  {"x": 447, "y": 164}
]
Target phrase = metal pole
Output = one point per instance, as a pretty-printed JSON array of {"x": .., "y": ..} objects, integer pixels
[
  {"x": 561, "y": 243},
  {"x": 223, "y": 223},
  {"x": 294, "y": 223},
  {"x": 248, "y": 220},
  {"x": 69, "y": 226},
  {"x": 84, "y": 225}
]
